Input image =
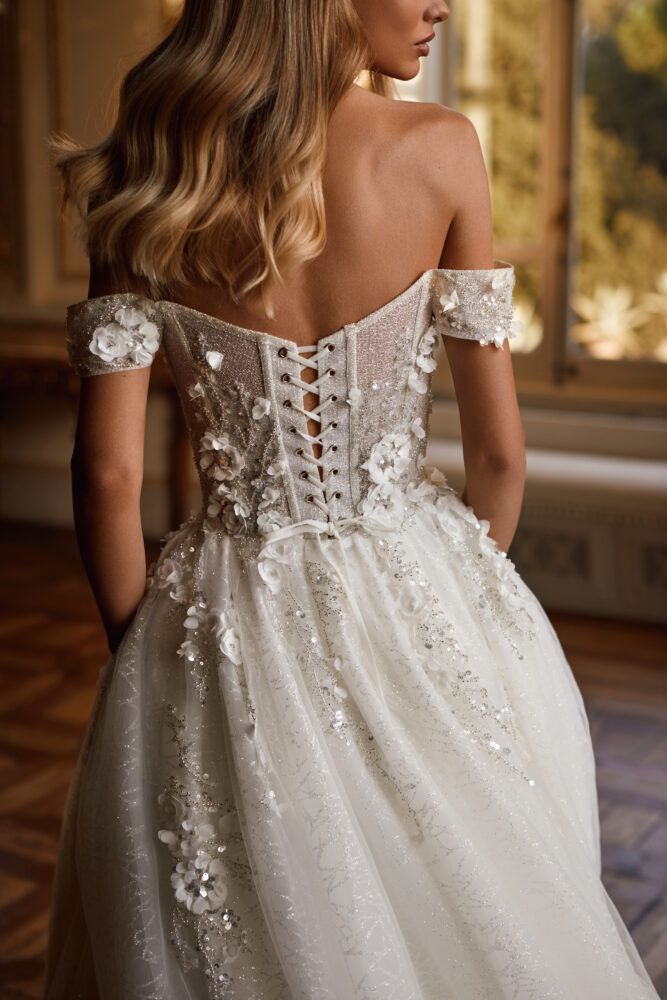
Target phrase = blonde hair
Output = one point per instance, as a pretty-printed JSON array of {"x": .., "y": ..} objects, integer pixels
[{"x": 218, "y": 145}]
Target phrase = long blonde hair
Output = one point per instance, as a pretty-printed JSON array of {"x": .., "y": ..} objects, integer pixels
[{"x": 218, "y": 147}]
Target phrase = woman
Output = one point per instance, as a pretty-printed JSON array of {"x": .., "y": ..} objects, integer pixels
[{"x": 337, "y": 751}]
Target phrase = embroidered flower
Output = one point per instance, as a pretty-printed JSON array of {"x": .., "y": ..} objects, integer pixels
[
  {"x": 218, "y": 455},
  {"x": 270, "y": 573},
  {"x": 189, "y": 650},
  {"x": 277, "y": 468},
  {"x": 214, "y": 359},
  {"x": 269, "y": 496},
  {"x": 449, "y": 301},
  {"x": 389, "y": 457},
  {"x": 417, "y": 428},
  {"x": 270, "y": 520},
  {"x": 199, "y": 884},
  {"x": 411, "y": 599},
  {"x": 261, "y": 408},
  {"x": 168, "y": 572},
  {"x": 130, "y": 336},
  {"x": 111, "y": 342}
]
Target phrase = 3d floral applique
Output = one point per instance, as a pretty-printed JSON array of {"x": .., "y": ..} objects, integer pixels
[
  {"x": 219, "y": 457},
  {"x": 261, "y": 408},
  {"x": 422, "y": 362},
  {"x": 214, "y": 360},
  {"x": 131, "y": 337},
  {"x": 417, "y": 428},
  {"x": 354, "y": 398}
]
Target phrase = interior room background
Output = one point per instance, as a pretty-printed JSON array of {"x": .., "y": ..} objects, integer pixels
[{"x": 566, "y": 98}]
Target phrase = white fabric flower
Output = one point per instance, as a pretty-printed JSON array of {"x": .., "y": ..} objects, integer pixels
[
  {"x": 417, "y": 428},
  {"x": 417, "y": 384},
  {"x": 411, "y": 598},
  {"x": 449, "y": 301},
  {"x": 111, "y": 342},
  {"x": 270, "y": 573},
  {"x": 196, "y": 390},
  {"x": 277, "y": 468},
  {"x": 168, "y": 572},
  {"x": 130, "y": 317},
  {"x": 389, "y": 457},
  {"x": 214, "y": 359},
  {"x": 269, "y": 496},
  {"x": 261, "y": 408},
  {"x": 199, "y": 883},
  {"x": 270, "y": 520},
  {"x": 220, "y": 456},
  {"x": 189, "y": 650},
  {"x": 149, "y": 341}
]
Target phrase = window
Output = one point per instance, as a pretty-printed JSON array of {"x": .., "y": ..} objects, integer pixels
[{"x": 566, "y": 100}]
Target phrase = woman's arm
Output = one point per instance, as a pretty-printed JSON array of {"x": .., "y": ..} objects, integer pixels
[
  {"x": 492, "y": 431},
  {"x": 106, "y": 474}
]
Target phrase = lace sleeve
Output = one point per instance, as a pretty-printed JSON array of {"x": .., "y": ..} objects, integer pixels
[
  {"x": 112, "y": 333},
  {"x": 475, "y": 304}
]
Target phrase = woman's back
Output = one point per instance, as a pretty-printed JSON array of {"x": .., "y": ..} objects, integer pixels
[{"x": 396, "y": 174}]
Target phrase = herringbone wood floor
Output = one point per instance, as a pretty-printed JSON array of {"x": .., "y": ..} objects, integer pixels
[{"x": 51, "y": 649}]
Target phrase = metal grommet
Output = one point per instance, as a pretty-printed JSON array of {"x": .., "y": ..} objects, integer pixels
[
  {"x": 285, "y": 377},
  {"x": 298, "y": 451},
  {"x": 334, "y": 447},
  {"x": 332, "y": 371},
  {"x": 334, "y": 472},
  {"x": 303, "y": 475},
  {"x": 282, "y": 352},
  {"x": 337, "y": 494},
  {"x": 330, "y": 347},
  {"x": 310, "y": 498},
  {"x": 333, "y": 399},
  {"x": 334, "y": 424},
  {"x": 292, "y": 430},
  {"x": 287, "y": 402}
]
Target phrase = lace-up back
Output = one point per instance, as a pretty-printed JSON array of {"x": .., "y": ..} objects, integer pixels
[{"x": 262, "y": 464}]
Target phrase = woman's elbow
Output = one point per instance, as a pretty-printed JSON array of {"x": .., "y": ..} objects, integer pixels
[{"x": 113, "y": 478}]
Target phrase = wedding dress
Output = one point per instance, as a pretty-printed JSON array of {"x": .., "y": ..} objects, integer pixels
[{"x": 339, "y": 753}]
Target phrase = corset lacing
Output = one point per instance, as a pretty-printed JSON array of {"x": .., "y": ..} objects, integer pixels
[{"x": 321, "y": 494}]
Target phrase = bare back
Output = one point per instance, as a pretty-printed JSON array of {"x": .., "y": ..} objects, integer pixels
[{"x": 393, "y": 182}]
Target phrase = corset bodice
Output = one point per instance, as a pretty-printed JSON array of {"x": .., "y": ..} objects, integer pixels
[{"x": 242, "y": 393}]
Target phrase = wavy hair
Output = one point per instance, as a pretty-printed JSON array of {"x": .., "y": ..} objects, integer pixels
[{"x": 212, "y": 171}]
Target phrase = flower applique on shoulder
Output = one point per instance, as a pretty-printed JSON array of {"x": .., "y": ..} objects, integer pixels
[
  {"x": 112, "y": 333},
  {"x": 475, "y": 304}
]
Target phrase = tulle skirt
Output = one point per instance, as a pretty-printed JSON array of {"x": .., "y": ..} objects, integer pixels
[{"x": 356, "y": 768}]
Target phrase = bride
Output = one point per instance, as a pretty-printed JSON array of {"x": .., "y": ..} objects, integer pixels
[{"x": 336, "y": 752}]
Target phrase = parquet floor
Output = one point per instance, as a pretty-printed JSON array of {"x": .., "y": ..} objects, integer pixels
[{"x": 51, "y": 649}]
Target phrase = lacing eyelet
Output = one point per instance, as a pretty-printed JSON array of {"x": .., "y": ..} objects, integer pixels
[
  {"x": 287, "y": 403},
  {"x": 338, "y": 494},
  {"x": 333, "y": 399},
  {"x": 330, "y": 347},
  {"x": 292, "y": 430},
  {"x": 332, "y": 371},
  {"x": 282, "y": 352},
  {"x": 334, "y": 424},
  {"x": 298, "y": 451},
  {"x": 303, "y": 475},
  {"x": 285, "y": 377},
  {"x": 334, "y": 472},
  {"x": 310, "y": 498},
  {"x": 334, "y": 447}
]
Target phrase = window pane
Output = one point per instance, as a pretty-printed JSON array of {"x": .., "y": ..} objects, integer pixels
[
  {"x": 497, "y": 73},
  {"x": 619, "y": 251}
]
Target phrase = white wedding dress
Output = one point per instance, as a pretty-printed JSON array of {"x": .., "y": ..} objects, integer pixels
[{"x": 339, "y": 753}]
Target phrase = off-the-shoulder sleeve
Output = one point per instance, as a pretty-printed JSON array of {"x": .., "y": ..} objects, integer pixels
[
  {"x": 475, "y": 304},
  {"x": 113, "y": 333}
]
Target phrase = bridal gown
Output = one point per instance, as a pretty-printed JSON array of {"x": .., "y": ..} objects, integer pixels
[{"x": 339, "y": 753}]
